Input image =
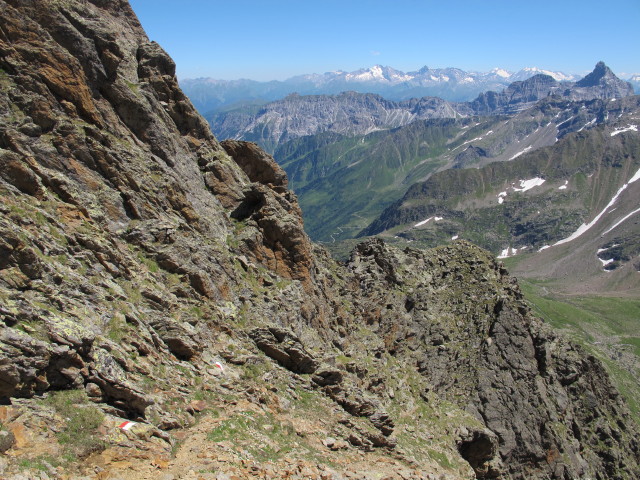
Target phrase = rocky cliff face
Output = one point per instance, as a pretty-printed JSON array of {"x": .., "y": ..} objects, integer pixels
[
  {"x": 348, "y": 113},
  {"x": 151, "y": 274}
]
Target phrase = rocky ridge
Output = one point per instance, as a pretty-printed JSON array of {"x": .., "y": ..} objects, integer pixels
[
  {"x": 151, "y": 274},
  {"x": 348, "y": 113}
]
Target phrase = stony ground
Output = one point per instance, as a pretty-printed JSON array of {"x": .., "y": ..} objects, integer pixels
[{"x": 236, "y": 439}]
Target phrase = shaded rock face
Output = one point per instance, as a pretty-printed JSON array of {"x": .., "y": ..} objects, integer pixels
[
  {"x": 479, "y": 448},
  {"x": 285, "y": 348},
  {"x": 604, "y": 81},
  {"x": 479, "y": 345},
  {"x": 137, "y": 252}
]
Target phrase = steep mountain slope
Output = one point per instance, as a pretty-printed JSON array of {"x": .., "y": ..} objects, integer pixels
[
  {"x": 163, "y": 312},
  {"x": 451, "y": 84},
  {"x": 355, "y": 114},
  {"x": 343, "y": 182},
  {"x": 604, "y": 157},
  {"x": 565, "y": 217},
  {"x": 497, "y": 205}
]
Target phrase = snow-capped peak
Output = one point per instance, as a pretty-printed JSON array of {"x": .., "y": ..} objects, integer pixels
[
  {"x": 377, "y": 73},
  {"x": 528, "y": 72},
  {"x": 501, "y": 72}
]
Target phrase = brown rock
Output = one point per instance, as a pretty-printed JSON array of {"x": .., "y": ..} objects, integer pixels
[
  {"x": 7, "y": 440},
  {"x": 258, "y": 165},
  {"x": 284, "y": 347}
]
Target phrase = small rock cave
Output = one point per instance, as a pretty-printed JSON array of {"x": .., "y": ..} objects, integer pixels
[{"x": 480, "y": 448}]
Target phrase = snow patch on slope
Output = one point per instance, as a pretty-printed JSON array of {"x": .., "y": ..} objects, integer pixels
[
  {"x": 524, "y": 186},
  {"x": 424, "y": 222},
  {"x": 529, "y": 184},
  {"x": 622, "y": 220},
  {"x": 606, "y": 262},
  {"x": 586, "y": 226},
  {"x": 521, "y": 152},
  {"x": 630, "y": 128},
  {"x": 510, "y": 252}
]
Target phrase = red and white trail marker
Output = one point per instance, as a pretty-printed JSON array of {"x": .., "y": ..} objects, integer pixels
[{"x": 126, "y": 425}]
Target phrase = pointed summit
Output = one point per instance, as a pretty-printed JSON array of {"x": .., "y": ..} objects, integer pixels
[
  {"x": 603, "y": 82},
  {"x": 600, "y": 73}
]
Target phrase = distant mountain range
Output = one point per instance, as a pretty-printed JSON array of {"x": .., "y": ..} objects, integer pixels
[
  {"x": 350, "y": 156},
  {"x": 451, "y": 84},
  {"x": 352, "y": 113}
]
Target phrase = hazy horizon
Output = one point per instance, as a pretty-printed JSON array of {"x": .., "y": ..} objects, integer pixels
[{"x": 280, "y": 39}]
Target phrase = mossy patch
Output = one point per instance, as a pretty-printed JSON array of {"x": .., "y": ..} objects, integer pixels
[{"x": 81, "y": 420}]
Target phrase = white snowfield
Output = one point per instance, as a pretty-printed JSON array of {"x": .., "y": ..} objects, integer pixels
[
  {"x": 524, "y": 186},
  {"x": 424, "y": 222},
  {"x": 529, "y": 184},
  {"x": 586, "y": 226},
  {"x": 630, "y": 128}
]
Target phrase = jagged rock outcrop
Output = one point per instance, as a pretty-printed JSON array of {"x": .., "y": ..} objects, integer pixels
[
  {"x": 601, "y": 83},
  {"x": 477, "y": 343},
  {"x": 285, "y": 348},
  {"x": 151, "y": 275}
]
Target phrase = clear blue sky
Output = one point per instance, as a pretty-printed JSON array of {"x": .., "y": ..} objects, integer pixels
[{"x": 276, "y": 39}]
